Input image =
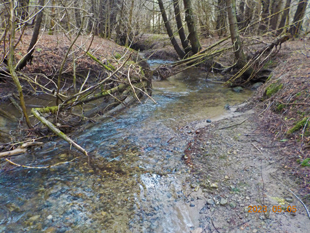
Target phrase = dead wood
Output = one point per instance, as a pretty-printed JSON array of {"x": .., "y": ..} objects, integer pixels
[
  {"x": 20, "y": 150},
  {"x": 53, "y": 128}
]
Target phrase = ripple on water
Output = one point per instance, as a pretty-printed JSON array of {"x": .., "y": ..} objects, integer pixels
[{"x": 136, "y": 180}]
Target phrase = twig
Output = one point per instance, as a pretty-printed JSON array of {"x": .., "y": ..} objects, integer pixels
[
  {"x": 230, "y": 126},
  {"x": 257, "y": 148},
  {"x": 308, "y": 213},
  {"x": 45, "y": 167},
  {"x": 214, "y": 226}
]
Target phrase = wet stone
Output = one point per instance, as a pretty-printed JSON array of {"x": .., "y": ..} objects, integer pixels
[
  {"x": 210, "y": 202},
  {"x": 289, "y": 199},
  {"x": 223, "y": 201},
  {"x": 233, "y": 205},
  {"x": 237, "y": 89}
]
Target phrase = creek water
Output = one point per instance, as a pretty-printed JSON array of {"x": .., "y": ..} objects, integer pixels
[{"x": 137, "y": 180}]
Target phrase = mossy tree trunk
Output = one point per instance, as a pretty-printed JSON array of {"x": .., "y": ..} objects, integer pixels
[
  {"x": 234, "y": 31},
  {"x": 193, "y": 34},
  {"x": 181, "y": 31},
  {"x": 12, "y": 65}
]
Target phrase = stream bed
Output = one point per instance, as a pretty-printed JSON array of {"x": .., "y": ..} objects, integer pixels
[{"x": 137, "y": 181}]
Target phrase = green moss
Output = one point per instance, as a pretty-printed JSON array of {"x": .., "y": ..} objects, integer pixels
[
  {"x": 117, "y": 55},
  {"x": 305, "y": 163},
  {"x": 280, "y": 107},
  {"x": 269, "y": 77},
  {"x": 297, "y": 126},
  {"x": 273, "y": 88},
  {"x": 52, "y": 109}
]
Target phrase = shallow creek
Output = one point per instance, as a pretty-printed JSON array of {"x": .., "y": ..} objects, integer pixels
[{"x": 137, "y": 181}]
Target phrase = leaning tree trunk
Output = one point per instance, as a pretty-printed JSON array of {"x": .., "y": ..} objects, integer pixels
[
  {"x": 23, "y": 62},
  {"x": 181, "y": 31},
  {"x": 298, "y": 18},
  {"x": 234, "y": 32},
  {"x": 175, "y": 44},
  {"x": 285, "y": 16}
]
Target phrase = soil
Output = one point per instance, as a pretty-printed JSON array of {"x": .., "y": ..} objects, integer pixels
[{"x": 235, "y": 165}]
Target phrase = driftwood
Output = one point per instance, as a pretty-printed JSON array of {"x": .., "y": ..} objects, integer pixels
[{"x": 20, "y": 150}]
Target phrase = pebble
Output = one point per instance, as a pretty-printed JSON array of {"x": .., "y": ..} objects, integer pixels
[
  {"x": 210, "y": 202},
  {"x": 192, "y": 205},
  {"x": 214, "y": 185},
  {"x": 289, "y": 199},
  {"x": 34, "y": 218},
  {"x": 208, "y": 121},
  {"x": 50, "y": 217},
  {"x": 223, "y": 201},
  {"x": 233, "y": 205}
]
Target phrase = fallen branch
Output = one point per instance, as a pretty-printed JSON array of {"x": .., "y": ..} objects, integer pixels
[
  {"x": 53, "y": 128},
  {"x": 20, "y": 150}
]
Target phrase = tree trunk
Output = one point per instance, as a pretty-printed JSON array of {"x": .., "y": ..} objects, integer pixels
[
  {"x": 248, "y": 14},
  {"x": 193, "y": 35},
  {"x": 36, "y": 31},
  {"x": 239, "y": 55},
  {"x": 77, "y": 13},
  {"x": 12, "y": 66},
  {"x": 175, "y": 44},
  {"x": 221, "y": 17},
  {"x": 264, "y": 25},
  {"x": 181, "y": 31},
  {"x": 276, "y": 7},
  {"x": 298, "y": 17},
  {"x": 285, "y": 16}
]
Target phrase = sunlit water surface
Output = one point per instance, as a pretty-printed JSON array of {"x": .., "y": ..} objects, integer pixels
[{"x": 137, "y": 179}]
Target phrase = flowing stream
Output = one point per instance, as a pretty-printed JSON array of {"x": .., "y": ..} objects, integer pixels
[{"x": 137, "y": 180}]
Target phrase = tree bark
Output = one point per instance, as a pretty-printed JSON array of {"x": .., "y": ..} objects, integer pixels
[
  {"x": 181, "y": 31},
  {"x": 175, "y": 44},
  {"x": 221, "y": 17},
  {"x": 11, "y": 63},
  {"x": 276, "y": 7},
  {"x": 77, "y": 14},
  {"x": 193, "y": 34},
  {"x": 239, "y": 55},
  {"x": 36, "y": 31},
  {"x": 298, "y": 17},
  {"x": 285, "y": 16},
  {"x": 264, "y": 25}
]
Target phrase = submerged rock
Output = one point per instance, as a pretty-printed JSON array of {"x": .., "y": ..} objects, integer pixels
[
  {"x": 256, "y": 85},
  {"x": 237, "y": 89}
]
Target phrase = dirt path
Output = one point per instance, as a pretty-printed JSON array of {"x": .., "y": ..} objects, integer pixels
[{"x": 235, "y": 166}]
